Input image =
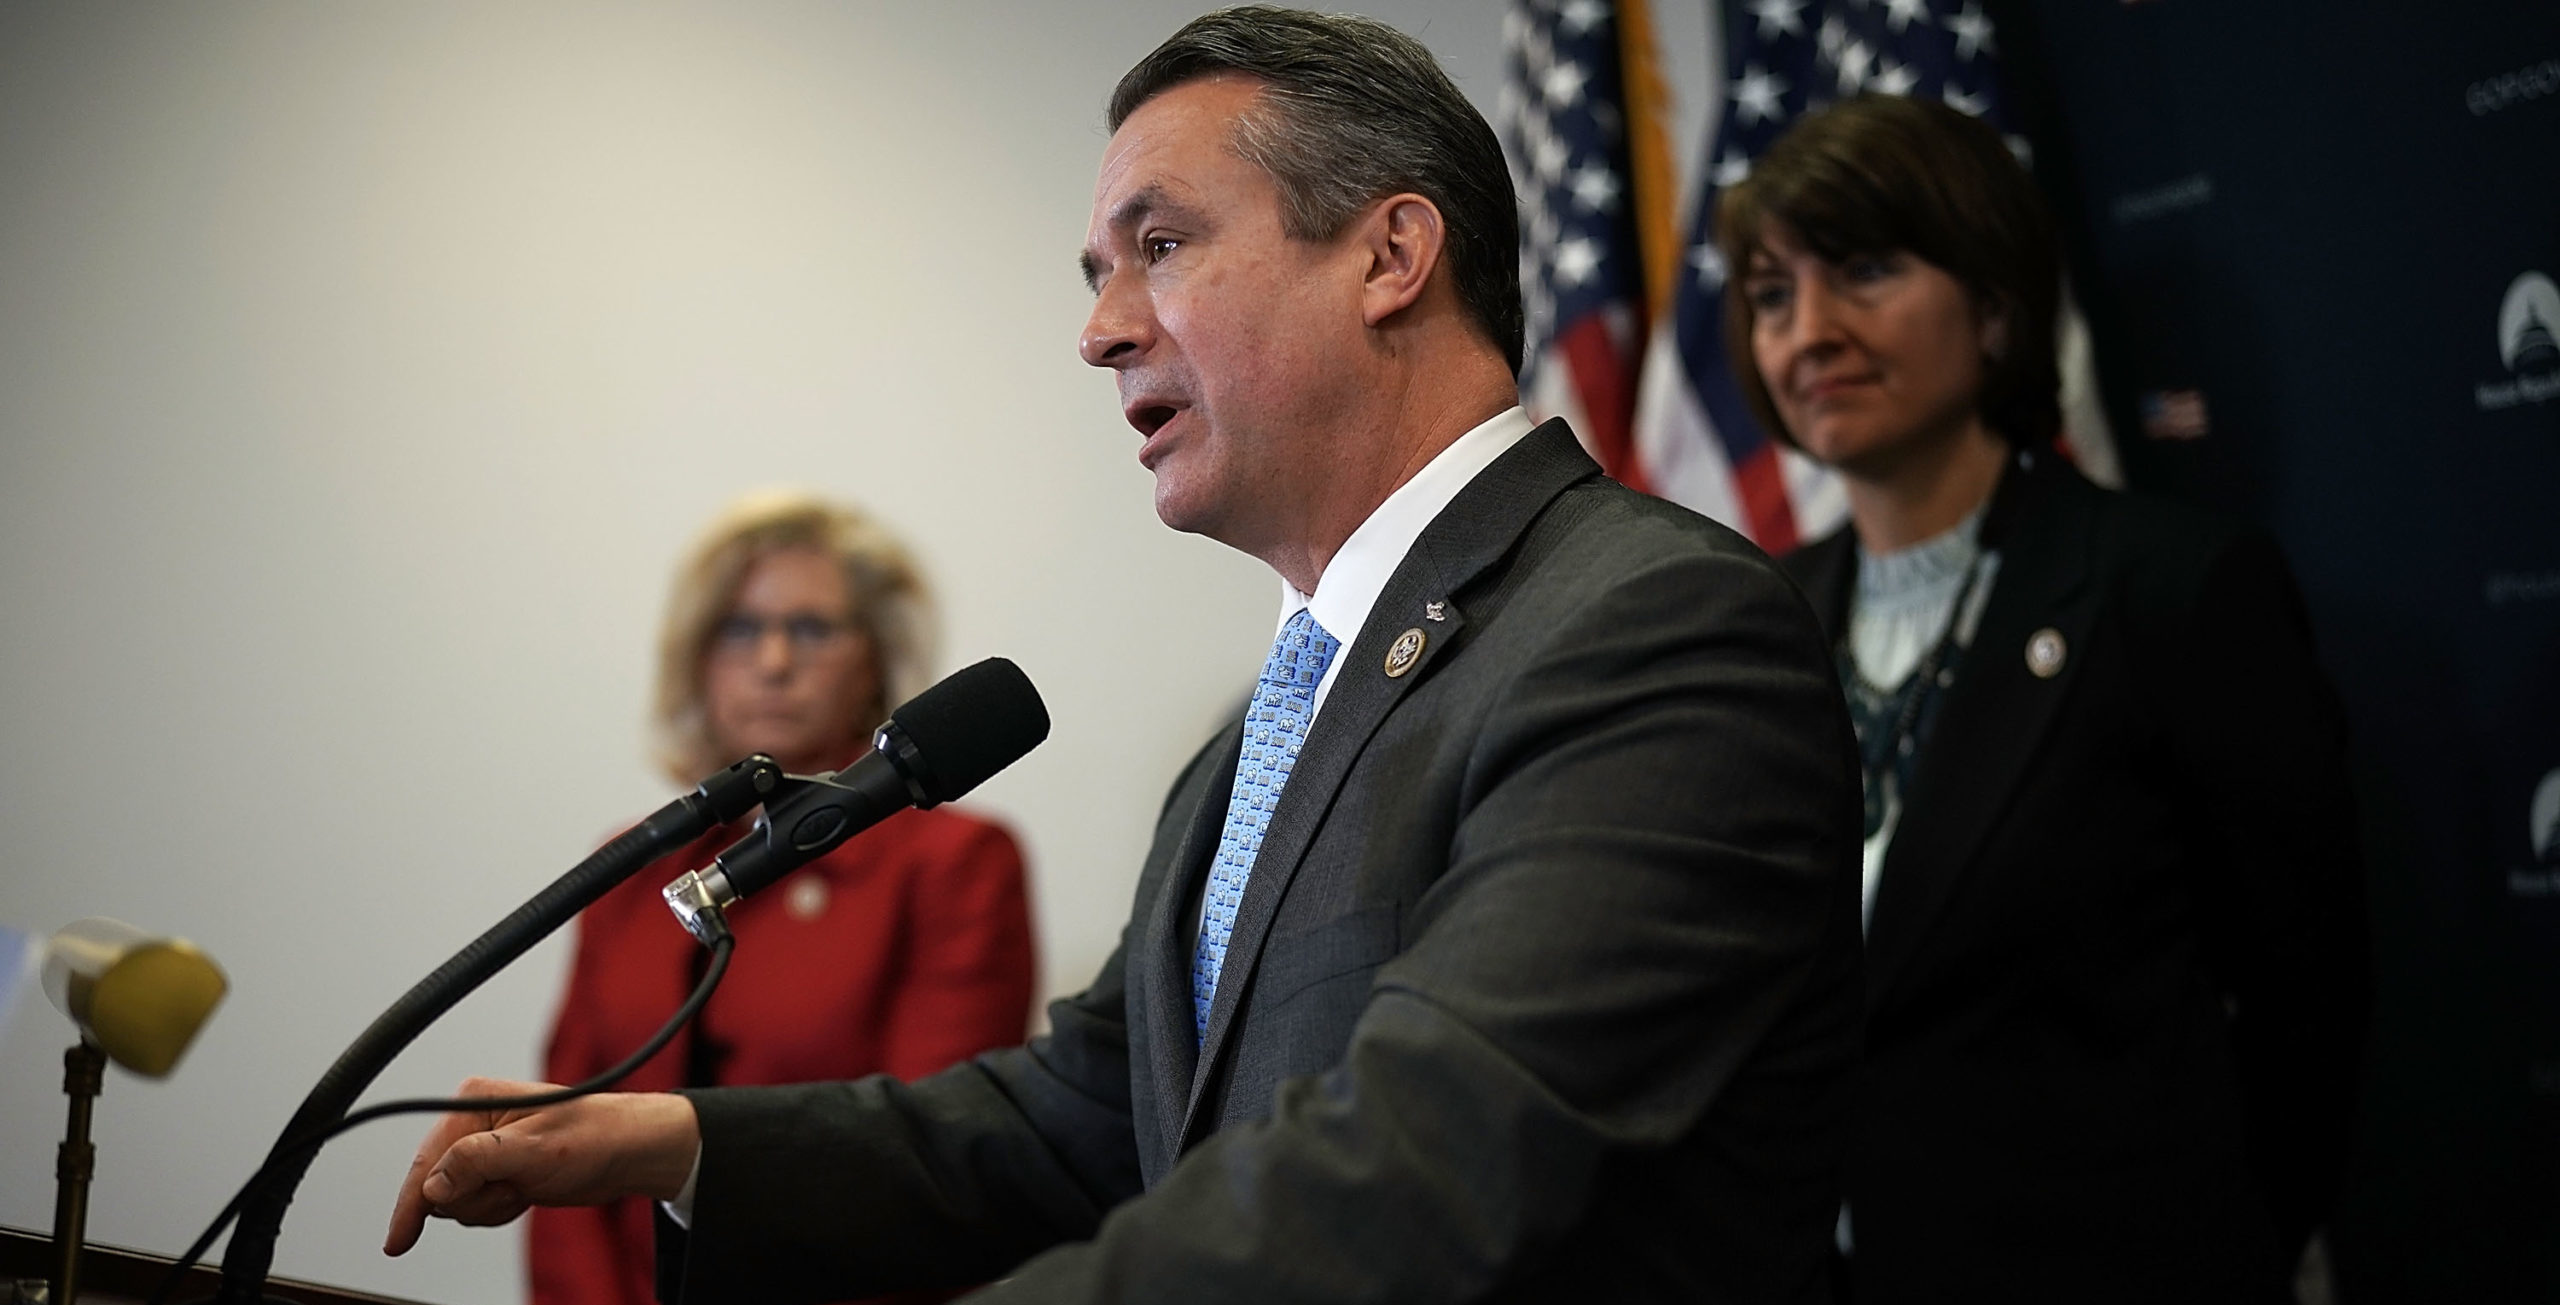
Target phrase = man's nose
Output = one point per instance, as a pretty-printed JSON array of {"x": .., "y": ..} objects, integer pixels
[{"x": 1118, "y": 330}]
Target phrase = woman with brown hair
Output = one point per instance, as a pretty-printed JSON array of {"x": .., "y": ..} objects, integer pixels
[
  {"x": 2115, "y": 959},
  {"x": 794, "y": 624}
]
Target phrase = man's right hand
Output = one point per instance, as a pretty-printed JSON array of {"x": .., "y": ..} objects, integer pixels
[{"x": 487, "y": 1167}]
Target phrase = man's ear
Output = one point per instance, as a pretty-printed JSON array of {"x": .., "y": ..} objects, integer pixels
[{"x": 1403, "y": 236}]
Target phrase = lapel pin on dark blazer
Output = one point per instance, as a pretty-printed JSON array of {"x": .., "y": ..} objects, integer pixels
[
  {"x": 1404, "y": 652},
  {"x": 2045, "y": 653},
  {"x": 1435, "y": 611}
]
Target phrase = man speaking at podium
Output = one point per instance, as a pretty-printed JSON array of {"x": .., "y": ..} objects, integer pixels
[{"x": 1506, "y": 950}]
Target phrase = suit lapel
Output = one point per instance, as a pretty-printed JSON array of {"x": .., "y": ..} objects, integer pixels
[
  {"x": 1476, "y": 529},
  {"x": 1995, "y": 715}
]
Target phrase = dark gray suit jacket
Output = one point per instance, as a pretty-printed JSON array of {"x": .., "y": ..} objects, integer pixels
[{"x": 1545, "y": 985}]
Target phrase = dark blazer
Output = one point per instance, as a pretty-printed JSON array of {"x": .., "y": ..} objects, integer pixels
[
  {"x": 2116, "y": 969},
  {"x": 1544, "y": 986}
]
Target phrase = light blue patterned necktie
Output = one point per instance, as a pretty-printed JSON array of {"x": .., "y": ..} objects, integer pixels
[{"x": 1275, "y": 727}]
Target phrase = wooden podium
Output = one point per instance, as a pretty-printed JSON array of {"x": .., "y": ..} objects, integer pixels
[{"x": 112, "y": 1275}]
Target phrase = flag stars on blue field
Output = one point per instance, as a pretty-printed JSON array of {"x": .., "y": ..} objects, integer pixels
[
  {"x": 1563, "y": 85},
  {"x": 1595, "y": 188},
  {"x": 1549, "y": 155},
  {"x": 1580, "y": 16},
  {"x": 1709, "y": 262},
  {"x": 1544, "y": 230},
  {"x": 1899, "y": 14},
  {"x": 1779, "y": 18},
  {"x": 1937, "y": 48},
  {"x": 1565, "y": 132},
  {"x": 1832, "y": 37},
  {"x": 1855, "y": 61},
  {"x": 1755, "y": 95},
  {"x": 1972, "y": 30},
  {"x": 1576, "y": 260}
]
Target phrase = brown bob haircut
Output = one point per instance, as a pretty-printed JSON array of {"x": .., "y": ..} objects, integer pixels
[{"x": 1882, "y": 174}]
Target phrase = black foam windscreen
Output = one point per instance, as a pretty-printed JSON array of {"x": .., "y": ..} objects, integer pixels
[{"x": 977, "y": 721}]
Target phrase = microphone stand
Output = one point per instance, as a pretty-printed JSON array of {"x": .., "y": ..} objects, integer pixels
[
  {"x": 83, "y": 1069},
  {"x": 723, "y": 797}
]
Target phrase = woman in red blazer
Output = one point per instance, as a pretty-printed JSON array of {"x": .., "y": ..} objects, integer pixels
[{"x": 792, "y": 625}]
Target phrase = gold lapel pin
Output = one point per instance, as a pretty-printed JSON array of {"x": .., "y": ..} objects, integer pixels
[
  {"x": 1404, "y": 652},
  {"x": 2045, "y": 653}
]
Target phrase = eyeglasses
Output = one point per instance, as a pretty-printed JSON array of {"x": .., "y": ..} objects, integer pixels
[{"x": 807, "y": 632}]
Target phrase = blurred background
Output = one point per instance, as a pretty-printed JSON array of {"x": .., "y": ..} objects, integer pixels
[{"x": 364, "y": 370}]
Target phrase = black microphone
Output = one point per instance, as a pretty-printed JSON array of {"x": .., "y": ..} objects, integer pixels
[{"x": 947, "y": 741}]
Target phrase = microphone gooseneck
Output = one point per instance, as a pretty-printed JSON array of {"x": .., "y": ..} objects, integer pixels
[
  {"x": 938, "y": 747},
  {"x": 721, "y": 798}
]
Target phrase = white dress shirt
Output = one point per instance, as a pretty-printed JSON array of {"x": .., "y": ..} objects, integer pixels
[{"x": 1352, "y": 581}]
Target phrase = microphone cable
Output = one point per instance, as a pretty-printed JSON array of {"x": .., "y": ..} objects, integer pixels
[{"x": 722, "y": 943}]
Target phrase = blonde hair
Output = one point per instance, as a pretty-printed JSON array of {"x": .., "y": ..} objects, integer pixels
[{"x": 885, "y": 599}]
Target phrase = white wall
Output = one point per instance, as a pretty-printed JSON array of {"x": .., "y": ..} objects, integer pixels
[{"x": 362, "y": 371}]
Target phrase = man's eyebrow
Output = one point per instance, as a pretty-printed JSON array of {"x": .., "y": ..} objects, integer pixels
[{"x": 1138, "y": 203}]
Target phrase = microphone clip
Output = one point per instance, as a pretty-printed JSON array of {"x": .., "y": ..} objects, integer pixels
[
  {"x": 701, "y": 910},
  {"x": 805, "y": 817}
]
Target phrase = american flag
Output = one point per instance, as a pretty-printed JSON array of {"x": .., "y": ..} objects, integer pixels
[
  {"x": 1696, "y": 441},
  {"x": 1581, "y": 121}
]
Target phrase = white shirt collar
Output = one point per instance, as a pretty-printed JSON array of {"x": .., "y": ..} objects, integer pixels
[{"x": 1352, "y": 581}]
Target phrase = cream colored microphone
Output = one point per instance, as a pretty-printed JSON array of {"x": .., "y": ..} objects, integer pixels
[
  {"x": 139, "y": 997},
  {"x": 138, "y": 1001}
]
